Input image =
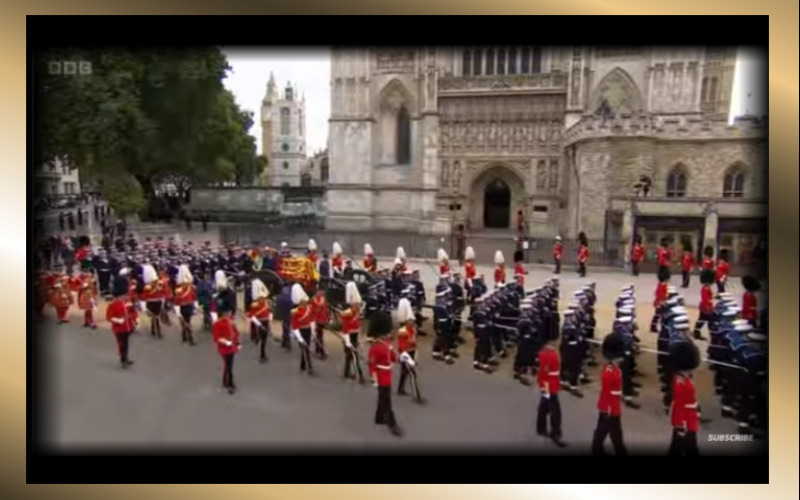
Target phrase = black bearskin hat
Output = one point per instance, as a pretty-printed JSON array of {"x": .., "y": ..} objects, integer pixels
[
  {"x": 663, "y": 242},
  {"x": 226, "y": 301},
  {"x": 637, "y": 239},
  {"x": 723, "y": 254},
  {"x": 86, "y": 265},
  {"x": 751, "y": 284},
  {"x": 613, "y": 346},
  {"x": 582, "y": 239},
  {"x": 84, "y": 241},
  {"x": 708, "y": 251},
  {"x": 120, "y": 287},
  {"x": 518, "y": 256},
  {"x": 380, "y": 324},
  {"x": 684, "y": 356},
  {"x": 687, "y": 247},
  {"x": 707, "y": 277},
  {"x": 663, "y": 274}
]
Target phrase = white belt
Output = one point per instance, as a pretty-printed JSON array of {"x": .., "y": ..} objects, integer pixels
[
  {"x": 553, "y": 374},
  {"x": 384, "y": 367}
]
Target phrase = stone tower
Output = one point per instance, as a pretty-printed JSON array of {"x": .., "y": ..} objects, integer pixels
[
  {"x": 283, "y": 122},
  {"x": 266, "y": 128}
]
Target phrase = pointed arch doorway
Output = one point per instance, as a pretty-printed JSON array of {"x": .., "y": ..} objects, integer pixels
[{"x": 497, "y": 205}]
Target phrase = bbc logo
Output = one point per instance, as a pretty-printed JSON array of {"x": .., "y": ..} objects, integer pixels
[{"x": 70, "y": 68}]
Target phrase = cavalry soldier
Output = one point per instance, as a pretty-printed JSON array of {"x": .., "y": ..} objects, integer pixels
[
  {"x": 661, "y": 295},
  {"x": 185, "y": 300},
  {"x": 260, "y": 316},
  {"x": 122, "y": 324},
  {"x": 337, "y": 261},
  {"x": 583, "y": 254},
  {"x": 87, "y": 294},
  {"x": 351, "y": 327},
  {"x": 499, "y": 270},
  {"x": 549, "y": 380},
  {"x": 749, "y": 300},
  {"x": 470, "y": 273},
  {"x": 637, "y": 255},
  {"x": 370, "y": 264},
  {"x": 153, "y": 297},
  {"x": 321, "y": 313},
  {"x": 684, "y": 359},
  {"x": 166, "y": 291},
  {"x": 302, "y": 325},
  {"x": 687, "y": 264},
  {"x": 226, "y": 337},
  {"x": 382, "y": 357},
  {"x": 609, "y": 403},
  {"x": 400, "y": 256},
  {"x": 519, "y": 268},
  {"x": 558, "y": 254},
  {"x": 406, "y": 343},
  {"x": 312, "y": 254},
  {"x": 722, "y": 270},
  {"x": 444, "y": 261},
  {"x": 706, "y": 304}
]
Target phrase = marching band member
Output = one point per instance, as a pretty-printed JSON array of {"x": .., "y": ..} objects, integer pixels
[
  {"x": 302, "y": 324},
  {"x": 519, "y": 268},
  {"x": 153, "y": 297},
  {"x": 87, "y": 294},
  {"x": 185, "y": 300},
  {"x": 62, "y": 298},
  {"x": 122, "y": 324},
  {"x": 583, "y": 254},
  {"x": 337, "y": 261},
  {"x": 260, "y": 316},
  {"x": 132, "y": 298},
  {"x": 706, "y": 316},
  {"x": 321, "y": 314},
  {"x": 558, "y": 254},
  {"x": 662, "y": 290},
  {"x": 499, "y": 270},
  {"x": 226, "y": 337},
  {"x": 381, "y": 358},
  {"x": 444, "y": 261},
  {"x": 663, "y": 254},
  {"x": 684, "y": 414},
  {"x": 406, "y": 342},
  {"x": 369, "y": 262},
  {"x": 749, "y": 300},
  {"x": 313, "y": 256},
  {"x": 687, "y": 264},
  {"x": 351, "y": 326},
  {"x": 609, "y": 423}
]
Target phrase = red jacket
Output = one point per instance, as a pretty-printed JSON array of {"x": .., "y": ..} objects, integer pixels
[
  {"x": 684, "y": 413},
  {"x": 314, "y": 258},
  {"x": 337, "y": 262},
  {"x": 749, "y": 306},
  {"x": 406, "y": 339},
  {"x": 61, "y": 297},
  {"x": 259, "y": 309},
  {"x": 687, "y": 261},
  {"x": 637, "y": 253},
  {"x": 224, "y": 328},
  {"x": 444, "y": 268},
  {"x": 661, "y": 294},
  {"x": 706, "y": 300},
  {"x": 87, "y": 292},
  {"x": 166, "y": 286},
  {"x": 469, "y": 271},
  {"x": 611, "y": 391},
  {"x": 152, "y": 292},
  {"x": 519, "y": 273},
  {"x": 185, "y": 295},
  {"x": 351, "y": 320},
  {"x": 370, "y": 264},
  {"x": 708, "y": 263},
  {"x": 558, "y": 251},
  {"x": 549, "y": 375},
  {"x": 117, "y": 309},
  {"x": 301, "y": 317},
  {"x": 583, "y": 254},
  {"x": 319, "y": 309},
  {"x": 663, "y": 256},
  {"x": 381, "y": 358},
  {"x": 722, "y": 270},
  {"x": 500, "y": 275}
]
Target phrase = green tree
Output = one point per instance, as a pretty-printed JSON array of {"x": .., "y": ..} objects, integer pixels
[{"x": 124, "y": 194}]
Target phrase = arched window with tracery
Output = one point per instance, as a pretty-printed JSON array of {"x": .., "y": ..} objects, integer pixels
[
  {"x": 466, "y": 63},
  {"x": 501, "y": 61},
  {"x": 733, "y": 183},
  {"x": 489, "y": 62},
  {"x": 477, "y": 57},
  {"x": 403, "y": 141},
  {"x": 676, "y": 182}
]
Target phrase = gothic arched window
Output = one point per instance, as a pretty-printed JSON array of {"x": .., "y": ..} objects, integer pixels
[
  {"x": 512, "y": 61},
  {"x": 489, "y": 62},
  {"x": 285, "y": 121},
  {"x": 477, "y": 57},
  {"x": 501, "y": 62},
  {"x": 403, "y": 142},
  {"x": 525, "y": 67},
  {"x": 466, "y": 63},
  {"x": 676, "y": 182},
  {"x": 733, "y": 183},
  {"x": 712, "y": 93},
  {"x": 536, "y": 65}
]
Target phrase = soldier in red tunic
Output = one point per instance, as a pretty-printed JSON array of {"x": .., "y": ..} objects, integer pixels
[
  {"x": 583, "y": 254},
  {"x": 558, "y": 254},
  {"x": 708, "y": 259},
  {"x": 166, "y": 292},
  {"x": 549, "y": 381},
  {"x": 153, "y": 297},
  {"x": 370, "y": 263},
  {"x": 663, "y": 255},
  {"x": 722, "y": 271},
  {"x": 609, "y": 422},
  {"x": 312, "y": 253},
  {"x": 62, "y": 298},
  {"x": 444, "y": 261},
  {"x": 122, "y": 324},
  {"x": 185, "y": 300},
  {"x": 226, "y": 338},
  {"x": 337, "y": 261},
  {"x": 407, "y": 347},
  {"x": 499, "y": 269},
  {"x": 749, "y": 300},
  {"x": 132, "y": 297},
  {"x": 706, "y": 303},
  {"x": 321, "y": 314},
  {"x": 260, "y": 316},
  {"x": 684, "y": 414},
  {"x": 687, "y": 265},
  {"x": 519, "y": 268},
  {"x": 382, "y": 357},
  {"x": 302, "y": 325},
  {"x": 662, "y": 290},
  {"x": 637, "y": 255},
  {"x": 87, "y": 294},
  {"x": 470, "y": 272},
  {"x": 351, "y": 327},
  {"x": 401, "y": 256}
]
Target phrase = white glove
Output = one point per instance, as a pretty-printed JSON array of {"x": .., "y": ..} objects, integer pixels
[
  {"x": 313, "y": 326},
  {"x": 347, "y": 342},
  {"x": 226, "y": 342},
  {"x": 256, "y": 322},
  {"x": 213, "y": 317},
  {"x": 141, "y": 306},
  {"x": 406, "y": 358},
  {"x": 177, "y": 310},
  {"x": 299, "y": 337},
  {"x": 546, "y": 395},
  {"x": 270, "y": 316},
  {"x": 197, "y": 305}
]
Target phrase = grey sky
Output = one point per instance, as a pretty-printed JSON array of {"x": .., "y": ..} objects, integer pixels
[{"x": 310, "y": 69}]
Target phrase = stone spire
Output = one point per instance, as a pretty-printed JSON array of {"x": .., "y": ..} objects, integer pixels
[{"x": 271, "y": 88}]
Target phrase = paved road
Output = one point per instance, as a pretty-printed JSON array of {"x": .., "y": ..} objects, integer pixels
[{"x": 170, "y": 397}]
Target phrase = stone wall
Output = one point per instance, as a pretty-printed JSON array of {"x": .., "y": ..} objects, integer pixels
[{"x": 255, "y": 201}]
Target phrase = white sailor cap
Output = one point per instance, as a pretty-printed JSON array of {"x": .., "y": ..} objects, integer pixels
[
  {"x": 725, "y": 295},
  {"x": 577, "y": 293},
  {"x": 672, "y": 301},
  {"x": 555, "y": 279},
  {"x": 573, "y": 306},
  {"x": 735, "y": 309},
  {"x": 678, "y": 310},
  {"x": 682, "y": 325},
  {"x": 443, "y": 293},
  {"x": 737, "y": 322},
  {"x": 629, "y": 286},
  {"x": 682, "y": 318},
  {"x": 757, "y": 336},
  {"x": 744, "y": 328},
  {"x": 525, "y": 306},
  {"x": 730, "y": 313},
  {"x": 625, "y": 308},
  {"x": 568, "y": 312},
  {"x": 624, "y": 319}
]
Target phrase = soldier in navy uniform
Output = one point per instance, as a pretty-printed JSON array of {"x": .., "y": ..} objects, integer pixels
[
  {"x": 526, "y": 349},
  {"x": 623, "y": 326},
  {"x": 103, "y": 268},
  {"x": 443, "y": 321},
  {"x": 482, "y": 329},
  {"x": 572, "y": 353},
  {"x": 419, "y": 300},
  {"x": 457, "y": 296}
]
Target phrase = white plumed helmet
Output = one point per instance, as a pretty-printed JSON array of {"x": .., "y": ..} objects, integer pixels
[
  {"x": 312, "y": 245},
  {"x": 220, "y": 280},
  {"x": 184, "y": 275},
  {"x": 149, "y": 273},
  {"x": 469, "y": 253},
  {"x": 368, "y": 249},
  {"x": 298, "y": 294},
  {"x": 441, "y": 255},
  {"x": 398, "y": 261},
  {"x": 259, "y": 289},
  {"x": 337, "y": 248},
  {"x": 283, "y": 244},
  {"x": 351, "y": 293},
  {"x": 404, "y": 311},
  {"x": 401, "y": 254},
  {"x": 498, "y": 258}
]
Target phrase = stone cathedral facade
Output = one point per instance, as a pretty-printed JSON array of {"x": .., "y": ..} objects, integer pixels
[{"x": 425, "y": 139}]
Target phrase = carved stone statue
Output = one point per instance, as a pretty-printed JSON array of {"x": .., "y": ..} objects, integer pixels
[
  {"x": 456, "y": 175},
  {"x": 445, "y": 173}
]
